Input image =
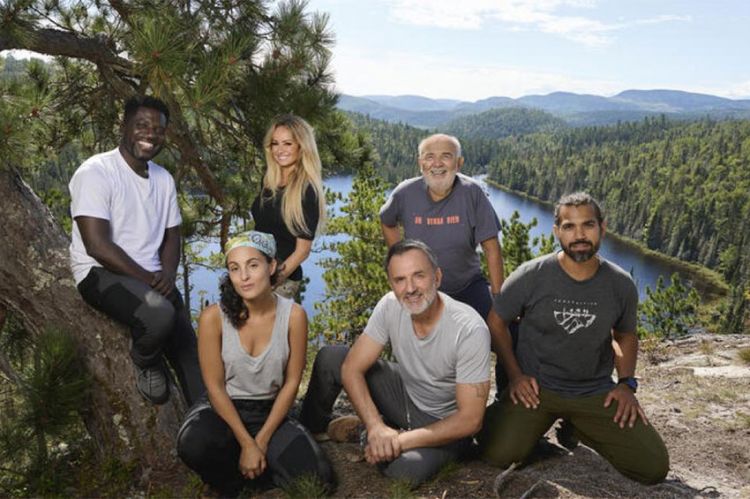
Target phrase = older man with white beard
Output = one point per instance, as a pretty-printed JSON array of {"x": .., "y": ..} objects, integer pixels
[
  {"x": 422, "y": 411},
  {"x": 449, "y": 212}
]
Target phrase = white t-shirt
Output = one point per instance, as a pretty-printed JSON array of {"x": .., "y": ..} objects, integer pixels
[
  {"x": 138, "y": 209},
  {"x": 456, "y": 351}
]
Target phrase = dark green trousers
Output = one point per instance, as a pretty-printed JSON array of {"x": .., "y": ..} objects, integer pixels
[{"x": 510, "y": 432}]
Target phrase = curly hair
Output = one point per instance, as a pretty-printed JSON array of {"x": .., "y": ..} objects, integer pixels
[{"x": 231, "y": 302}]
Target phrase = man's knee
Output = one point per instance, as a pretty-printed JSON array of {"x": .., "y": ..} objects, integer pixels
[
  {"x": 157, "y": 316},
  {"x": 503, "y": 453},
  {"x": 653, "y": 465},
  {"x": 501, "y": 442},
  {"x": 411, "y": 467}
]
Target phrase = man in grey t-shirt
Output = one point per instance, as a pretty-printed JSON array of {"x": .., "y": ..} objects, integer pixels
[
  {"x": 432, "y": 401},
  {"x": 574, "y": 308},
  {"x": 449, "y": 212}
]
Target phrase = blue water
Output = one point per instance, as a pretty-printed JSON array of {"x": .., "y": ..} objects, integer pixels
[{"x": 644, "y": 269}]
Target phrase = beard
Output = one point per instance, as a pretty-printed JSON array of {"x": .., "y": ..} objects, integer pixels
[
  {"x": 440, "y": 185},
  {"x": 585, "y": 253},
  {"x": 428, "y": 298}
]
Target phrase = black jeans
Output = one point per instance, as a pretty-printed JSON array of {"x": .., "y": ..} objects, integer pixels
[
  {"x": 159, "y": 325},
  {"x": 208, "y": 446}
]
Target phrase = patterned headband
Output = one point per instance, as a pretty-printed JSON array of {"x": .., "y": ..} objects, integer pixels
[{"x": 261, "y": 241}]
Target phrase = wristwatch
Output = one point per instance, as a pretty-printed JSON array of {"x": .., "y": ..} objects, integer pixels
[{"x": 630, "y": 382}]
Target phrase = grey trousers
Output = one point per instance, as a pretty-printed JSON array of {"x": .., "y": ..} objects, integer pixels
[
  {"x": 398, "y": 411},
  {"x": 159, "y": 325}
]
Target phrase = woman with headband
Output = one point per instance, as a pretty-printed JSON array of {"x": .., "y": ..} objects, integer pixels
[{"x": 252, "y": 351}]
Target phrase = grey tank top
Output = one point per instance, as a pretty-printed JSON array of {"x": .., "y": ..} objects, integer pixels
[{"x": 261, "y": 377}]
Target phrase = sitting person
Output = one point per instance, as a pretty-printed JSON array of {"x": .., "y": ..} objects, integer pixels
[
  {"x": 252, "y": 351},
  {"x": 432, "y": 401},
  {"x": 573, "y": 304}
]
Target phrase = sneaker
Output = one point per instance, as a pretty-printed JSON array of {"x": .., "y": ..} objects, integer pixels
[
  {"x": 345, "y": 429},
  {"x": 152, "y": 384}
]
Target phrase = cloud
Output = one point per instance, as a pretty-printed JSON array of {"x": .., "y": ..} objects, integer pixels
[
  {"x": 363, "y": 72},
  {"x": 539, "y": 15}
]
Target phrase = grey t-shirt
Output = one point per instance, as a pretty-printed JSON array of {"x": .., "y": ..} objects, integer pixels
[
  {"x": 451, "y": 227},
  {"x": 456, "y": 351},
  {"x": 261, "y": 377},
  {"x": 564, "y": 339}
]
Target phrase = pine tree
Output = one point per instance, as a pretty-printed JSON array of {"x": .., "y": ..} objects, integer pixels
[
  {"x": 355, "y": 277},
  {"x": 668, "y": 311}
]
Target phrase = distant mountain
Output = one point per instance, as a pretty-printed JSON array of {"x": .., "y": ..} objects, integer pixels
[
  {"x": 414, "y": 102},
  {"x": 676, "y": 101},
  {"x": 561, "y": 103},
  {"x": 575, "y": 109}
]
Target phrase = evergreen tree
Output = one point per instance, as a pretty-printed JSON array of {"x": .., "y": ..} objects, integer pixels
[
  {"x": 734, "y": 312},
  {"x": 668, "y": 311},
  {"x": 45, "y": 391},
  {"x": 518, "y": 246},
  {"x": 355, "y": 277}
]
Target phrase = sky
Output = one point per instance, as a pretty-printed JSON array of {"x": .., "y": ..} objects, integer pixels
[{"x": 474, "y": 49}]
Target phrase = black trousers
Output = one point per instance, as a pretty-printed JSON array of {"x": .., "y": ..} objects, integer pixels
[
  {"x": 159, "y": 325},
  {"x": 207, "y": 445}
]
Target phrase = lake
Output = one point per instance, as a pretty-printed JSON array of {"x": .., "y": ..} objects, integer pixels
[{"x": 644, "y": 268}]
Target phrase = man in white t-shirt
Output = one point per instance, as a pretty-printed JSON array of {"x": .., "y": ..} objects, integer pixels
[
  {"x": 126, "y": 247},
  {"x": 422, "y": 411}
]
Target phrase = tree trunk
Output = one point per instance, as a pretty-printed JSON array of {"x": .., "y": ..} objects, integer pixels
[{"x": 37, "y": 286}]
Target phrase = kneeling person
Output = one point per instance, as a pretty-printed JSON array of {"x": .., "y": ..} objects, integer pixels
[
  {"x": 432, "y": 400},
  {"x": 572, "y": 305},
  {"x": 252, "y": 354}
]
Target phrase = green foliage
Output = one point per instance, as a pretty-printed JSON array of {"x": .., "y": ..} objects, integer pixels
[
  {"x": 305, "y": 487},
  {"x": 501, "y": 123},
  {"x": 668, "y": 311},
  {"x": 679, "y": 188},
  {"x": 745, "y": 355},
  {"x": 734, "y": 311},
  {"x": 355, "y": 278},
  {"x": 400, "y": 489},
  {"x": 518, "y": 246},
  {"x": 46, "y": 390}
]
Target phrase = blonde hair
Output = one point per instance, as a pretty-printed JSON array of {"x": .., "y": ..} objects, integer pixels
[{"x": 307, "y": 173}]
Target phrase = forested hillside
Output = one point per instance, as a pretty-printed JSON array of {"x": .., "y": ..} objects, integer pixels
[
  {"x": 499, "y": 123},
  {"x": 680, "y": 188}
]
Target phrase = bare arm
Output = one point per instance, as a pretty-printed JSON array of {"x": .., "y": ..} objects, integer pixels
[
  {"x": 391, "y": 234},
  {"x": 491, "y": 248},
  {"x": 292, "y": 376},
  {"x": 626, "y": 356},
  {"x": 301, "y": 251},
  {"x": 466, "y": 421},
  {"x": 169, "y": 255},
  {"x": 252, "y": 458},
  {"x": 382, "y": 441},
  {"x": 97, "y": 239},
  {"x": 522, "y": 388}
]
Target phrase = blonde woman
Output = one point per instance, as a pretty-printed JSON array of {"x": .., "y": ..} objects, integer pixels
[{"x": 291, "y": 205}]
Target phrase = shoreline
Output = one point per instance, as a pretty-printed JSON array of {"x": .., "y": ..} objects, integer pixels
[{"x": 712, "y": 285}]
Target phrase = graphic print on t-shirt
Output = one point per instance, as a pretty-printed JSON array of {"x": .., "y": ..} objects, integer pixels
[{"x": 574, "y": 315}]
